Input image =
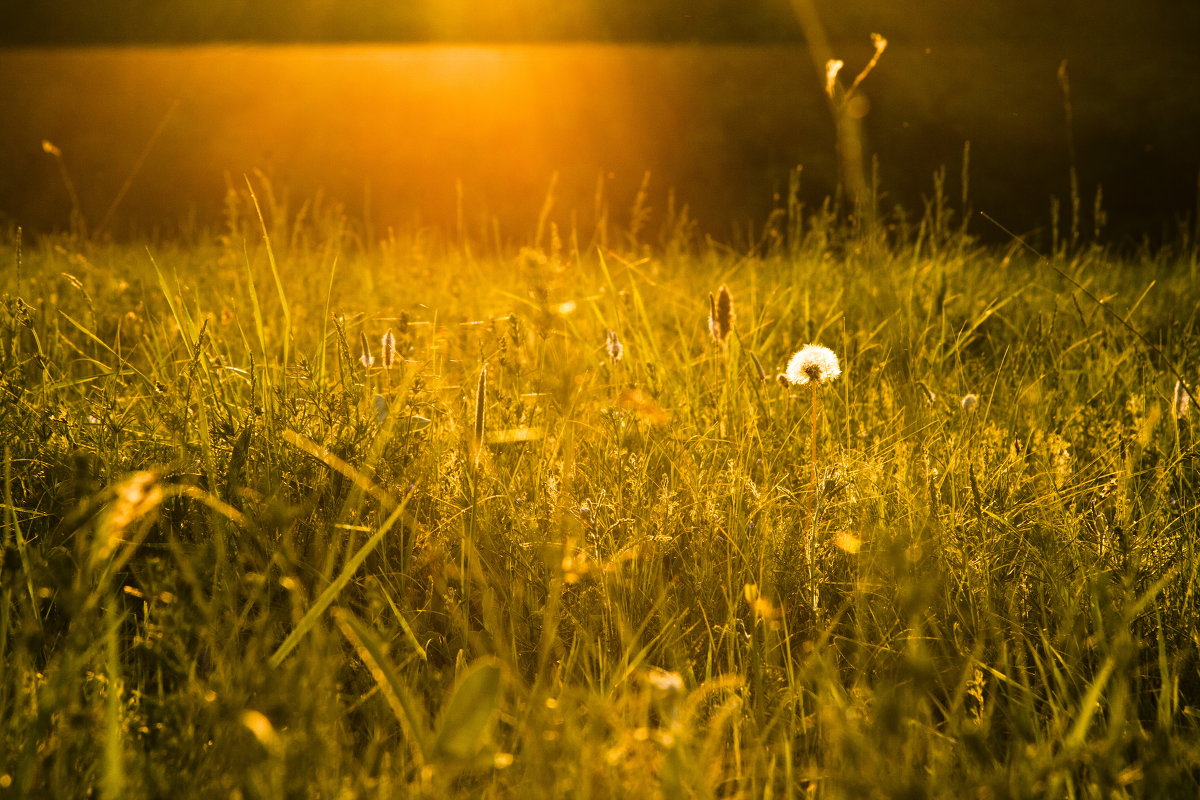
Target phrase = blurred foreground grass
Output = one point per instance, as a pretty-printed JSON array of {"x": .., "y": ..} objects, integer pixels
[{"x": 242, "y": 559}]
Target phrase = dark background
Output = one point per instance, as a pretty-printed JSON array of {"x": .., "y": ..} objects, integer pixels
[
  {"x": 1170, "y": 22},
  {"x": 955, "y": 71}
]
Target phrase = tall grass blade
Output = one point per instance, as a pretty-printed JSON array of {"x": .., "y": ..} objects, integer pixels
[
  {"x": 399, "y": 699},
  {"x": 331, "y": 592}
]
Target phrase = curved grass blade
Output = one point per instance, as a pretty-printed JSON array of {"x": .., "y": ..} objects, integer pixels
[
  {"x": 326, "y": 598},
  {"x": 371, "y": 650}
]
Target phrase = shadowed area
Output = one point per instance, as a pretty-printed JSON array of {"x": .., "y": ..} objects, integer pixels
[{"x": 392, "y": 132}]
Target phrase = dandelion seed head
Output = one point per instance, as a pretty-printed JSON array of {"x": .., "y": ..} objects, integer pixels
[
  {"x": 813, "y": 364},
  {"x": 969, "y": 402}
]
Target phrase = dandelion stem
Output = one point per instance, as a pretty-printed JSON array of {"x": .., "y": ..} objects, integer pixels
[{"x": 810, "y": 543}]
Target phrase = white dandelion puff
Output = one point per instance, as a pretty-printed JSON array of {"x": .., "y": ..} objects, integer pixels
[
  {"x": 813, "y": 364},
  {"x": 969, "y": 402}
]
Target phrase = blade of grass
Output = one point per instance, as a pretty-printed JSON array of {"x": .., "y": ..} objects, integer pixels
[
  {"x": 330, "y": 593},
  {"x": 373, "y": 653}
]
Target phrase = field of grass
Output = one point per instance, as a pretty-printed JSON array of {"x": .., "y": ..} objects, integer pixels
[{"x": 243, "y": 560}]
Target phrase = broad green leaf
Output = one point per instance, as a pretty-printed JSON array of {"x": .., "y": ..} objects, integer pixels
[{"x": 469, "y": 713}]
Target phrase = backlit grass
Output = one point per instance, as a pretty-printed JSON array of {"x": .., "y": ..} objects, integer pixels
[{"x": 242, "y": 560}]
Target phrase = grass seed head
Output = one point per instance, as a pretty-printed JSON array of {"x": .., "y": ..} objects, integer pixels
[
  {"x": 480, "y": 396},
  {"x": 613, "y": 346},
  {"x": 389, "y": 349},
  {"x": 720, "y": 316},
  {"x": 929, "y": 395},
  {"x": 813, "y": 364},
  {"x": 366, "y": 358},
  {"x": 1181, "y": 404}
]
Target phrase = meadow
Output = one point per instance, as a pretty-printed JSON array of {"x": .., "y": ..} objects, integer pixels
[{"x": 293, "y": 512}]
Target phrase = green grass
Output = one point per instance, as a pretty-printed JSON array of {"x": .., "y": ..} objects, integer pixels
[{"x": 227, "y": 574}]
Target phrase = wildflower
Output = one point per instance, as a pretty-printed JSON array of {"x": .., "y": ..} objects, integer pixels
[
  {"x": 813, "y": 364},
  {"x": 1182, "y": 402},
  {"x": 366, "y": 358},
  {"x": 1060, "y": 454},
  {"x": 389, "y": 349},
  {"x": 969, "y": 402},
  {"x": 613, "y": 346},
  {"x": 720, "y": 316}
]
